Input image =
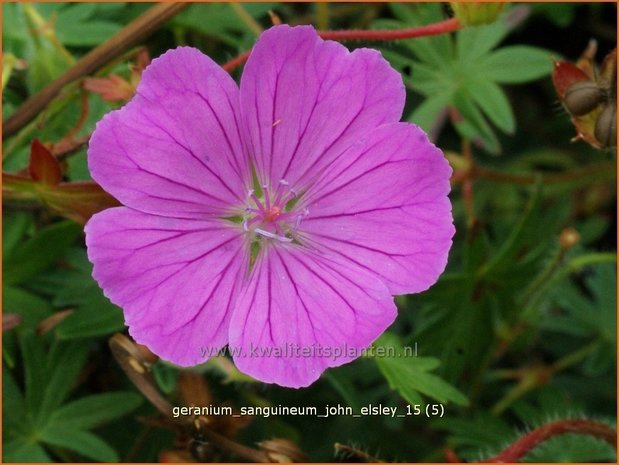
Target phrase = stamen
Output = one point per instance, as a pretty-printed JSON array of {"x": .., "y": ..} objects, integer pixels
[
  {"x": 280, "y": 191},
  {"x": 257, "y": 202},
  {"x": 269, "y": 218},
  {"x": 270, "y": 235},
  {"x": 267, "y": 197}
]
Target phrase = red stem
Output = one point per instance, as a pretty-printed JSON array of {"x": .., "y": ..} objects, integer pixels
[
  {"x": 236, "y": 62},
  {"x": 442, "y": 27},
  {"x": 531, "y": 440}
]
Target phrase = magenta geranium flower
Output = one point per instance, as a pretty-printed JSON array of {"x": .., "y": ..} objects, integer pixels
[{"x": 279, "y": 218}]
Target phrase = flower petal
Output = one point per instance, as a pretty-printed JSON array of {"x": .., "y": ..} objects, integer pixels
[
  {"x": 383, "y": 205},
  {"x": 176, "y": 279},
  {"x": 299, "y": 299},
  {"x": 176, "y": 148},
  {"x": 305, "y": 100}
]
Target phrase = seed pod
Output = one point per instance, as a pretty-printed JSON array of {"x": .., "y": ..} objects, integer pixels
[
  {"x": 582, "y": 97},
  {"x": 606, "y": 126}
]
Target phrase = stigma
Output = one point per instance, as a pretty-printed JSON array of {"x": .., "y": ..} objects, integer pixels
[{"x": 273, "y": 213}]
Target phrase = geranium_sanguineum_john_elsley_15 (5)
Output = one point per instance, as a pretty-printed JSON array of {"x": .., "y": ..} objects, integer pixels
[{"x": 287, "y": 211}]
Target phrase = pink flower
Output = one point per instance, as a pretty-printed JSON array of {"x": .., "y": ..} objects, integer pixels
[{"x": 279, "y": 219}]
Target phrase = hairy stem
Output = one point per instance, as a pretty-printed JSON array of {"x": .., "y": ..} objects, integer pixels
[{"x": 529, "y": 441}]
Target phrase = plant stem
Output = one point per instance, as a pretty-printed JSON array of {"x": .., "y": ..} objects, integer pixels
[
  {"x": 249, "y": 21},
  {"x": 236, "y": 61},
  {"x": 144, "y": 25},
  {"x": 529, "y": 441},
  {"x": 605, "y": 170},
  {"x": 442, "y": 27},
  {"x": 322, "y": 15}
]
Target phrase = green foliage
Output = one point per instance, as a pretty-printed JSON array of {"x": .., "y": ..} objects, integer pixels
[
  {"x": 410, "y": 377},
  {"x": 464, "y": 73},
  {"x": 218, "y": 20},
  {"x": 38, "y": 421},
  {"x": 518, "y": 331},
  {"x": 73, "y": 287}
]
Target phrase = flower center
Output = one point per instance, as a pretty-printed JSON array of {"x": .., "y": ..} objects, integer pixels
[{"x": 272, "y": 214}]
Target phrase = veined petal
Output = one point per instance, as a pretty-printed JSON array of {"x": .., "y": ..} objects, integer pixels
[
  {"x": 176, "y": 148},
  {"x": 302, "y": 313},
  {"x": 305, "y": 100},
  {"x": 176, "y": 279},
  {"x": 383, "y": 206}
]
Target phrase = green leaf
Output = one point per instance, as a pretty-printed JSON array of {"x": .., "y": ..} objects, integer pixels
[
  {"x": 40, "y": 252},
  {"x": 410, "y": 377},
  {"x": 46, "y": 65},
  {"x": 493, "y": 102},
  {"x": 220, "y": 21},
  {"x": 427, "y": 114},
  {"x": 88, "y": 412},
  {"x": 14, "y": 408},
  {"x": 35, "y": 365},
  {"x": 85, "y": 34},
  {"x": 63, "y": 364},
  {"x": 474, "y": 127},
  {"x": 516, "y": 64},
  {"x": 29, "y": 306},
  {"x": 98, "y": 317},
  {"x": 572, "y": 448},
  {"x": 22, "y": 450},
  {"x": 436, "y": 50},
  {"x": 505, "y": 256},
  {"x": 82, "y": 442},
  {"x": 476, "y": 41},
  {"x": 479, "y": 433},
  {"x": 15, "y": 224}
]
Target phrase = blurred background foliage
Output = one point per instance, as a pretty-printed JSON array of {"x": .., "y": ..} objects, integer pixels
[{"x": 520, "y": 330}]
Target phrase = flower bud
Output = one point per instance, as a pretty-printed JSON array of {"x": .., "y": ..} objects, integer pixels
[
  {"x": 569, "y": 238},
  {"x": 475, "y": 14}
]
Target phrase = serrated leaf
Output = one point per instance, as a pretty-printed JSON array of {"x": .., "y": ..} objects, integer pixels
[
  {"x": 90, "y": 411},
  {"x": 82, "y": 442},
  {"x": 409, "y": 376},
  {"x": 516, "y": 64}
]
